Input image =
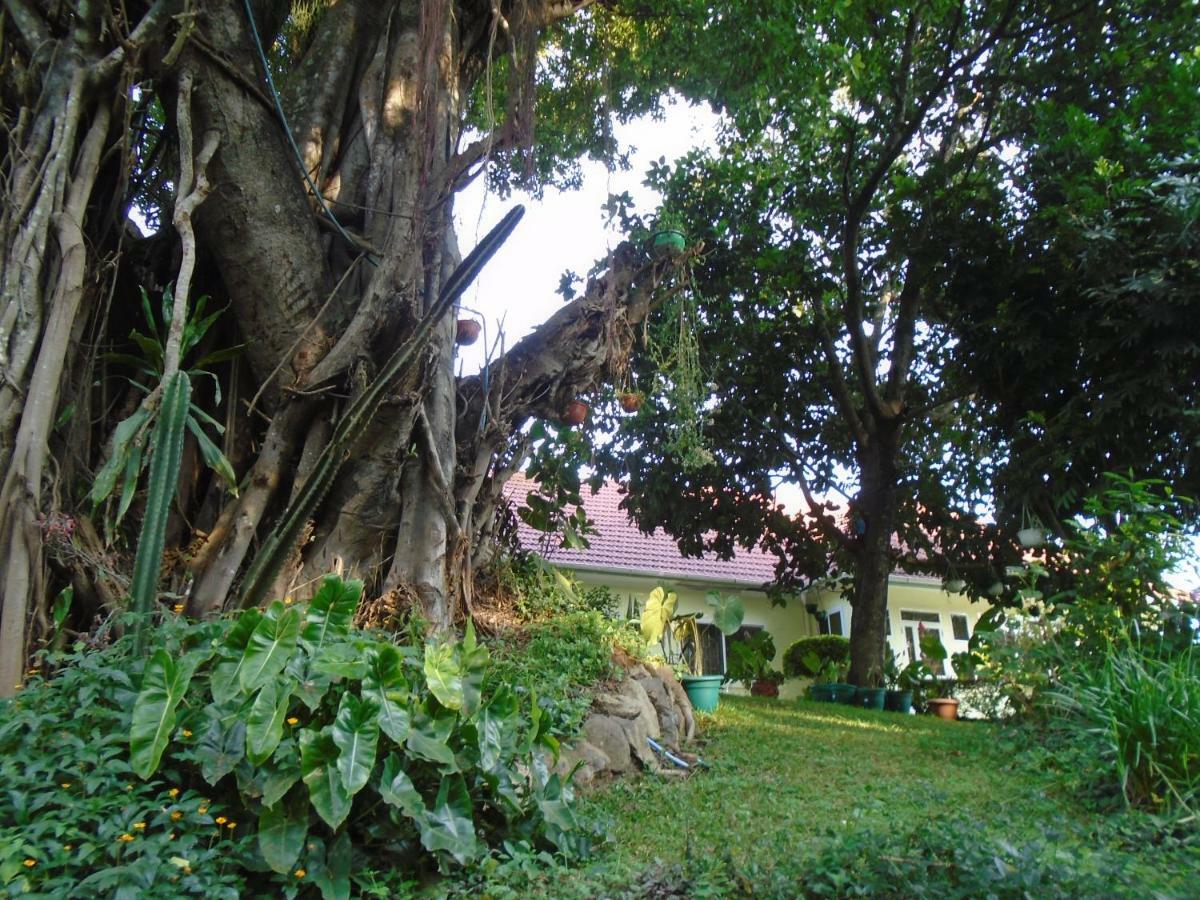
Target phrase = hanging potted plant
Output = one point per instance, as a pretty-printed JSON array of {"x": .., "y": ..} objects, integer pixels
[
  {"x": 576, "y": 413},
  {"x": 668, "y": 240},
  {"x": 1032, "y": 532},
  {"x": 631, "y": 401},
  {"x": 466, "y": 332},
  {"x": 661, "y": 624}
]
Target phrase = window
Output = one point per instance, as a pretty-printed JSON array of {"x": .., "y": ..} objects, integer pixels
[
  {"x": 907, "y": 615},
  {"x": 961, "y": 630},
  {"x": 713, "y": 644},
  {"x": 835, "y": 623}
]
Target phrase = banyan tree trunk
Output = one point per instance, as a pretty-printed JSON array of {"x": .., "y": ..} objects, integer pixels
[{"x": 329, "y": 245}]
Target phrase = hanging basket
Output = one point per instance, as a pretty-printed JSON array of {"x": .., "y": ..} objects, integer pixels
[
  {"x": 667, "y": 243},
  {"x": 576, "y": 413},
  {"x": 630, "y": 401},
  {"x": 954, "y": 586},
  {"x": 1031, "y": 537},
  {"x": 467, "y": 332}
]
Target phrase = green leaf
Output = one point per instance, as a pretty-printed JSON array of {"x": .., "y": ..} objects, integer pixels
[
  {"x": 397, "y": 789},
  {"x": 226, "y": 673},
  {"x": 282, "y": 828},
  {"x": 123, "y": 436},
  {"x": 331, "y": 873},
  {"x": 213, "y": 457},
  {"x": 164, "y": 683},
  {"x": 264, "y": 725},
  {"x": 660, "y": 607},
  {"x": 443, "y": 675},
  {"x": 281, "y": 772},
  {"x": 330, "y": 612},
  {"x": 429, "y": 739},
  {"x": 448, "y": 826},
  {"x": 223, "y": 744},
  {"x": 728, "y": 611},
  {"x": 496, "y": 727},
  {"x": 318, "y": 768},
  {"x": 385, "y": 684},
  {"x": 473, "y": 664},
  {"x": 344, "y": 660},
  {"x": 272, "y": 644},
  {"x": 356, "y": 734}
]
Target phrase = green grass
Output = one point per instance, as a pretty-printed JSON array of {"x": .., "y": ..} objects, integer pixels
[{"x": 813, "y": 799}]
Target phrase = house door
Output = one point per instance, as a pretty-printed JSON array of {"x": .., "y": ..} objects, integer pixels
[{"x": 912, "y": 623}]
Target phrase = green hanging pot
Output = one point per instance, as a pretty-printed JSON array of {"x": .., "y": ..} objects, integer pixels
[{"x": 667, "y": 243}]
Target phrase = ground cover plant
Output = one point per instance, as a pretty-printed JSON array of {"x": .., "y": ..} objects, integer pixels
[{"x": 278, "y": 751}]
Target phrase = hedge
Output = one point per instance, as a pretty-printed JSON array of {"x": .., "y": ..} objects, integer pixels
[{"x": 825, "y": 647}]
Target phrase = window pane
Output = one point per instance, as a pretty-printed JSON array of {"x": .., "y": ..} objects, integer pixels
[
  {"x": 961, "y": 632},
  {"x": 908, "y": 615},
  {"x": 835, "y": 623}
]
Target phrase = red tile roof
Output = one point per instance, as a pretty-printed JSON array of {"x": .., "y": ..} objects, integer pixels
[{"x": 621, "y": 547}]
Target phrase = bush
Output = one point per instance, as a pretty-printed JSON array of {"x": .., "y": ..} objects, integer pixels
[
  {"x": 827, "y": 648},
  {"x": 541, "y": 591},
  {"x": 265, "y": 753},
  {"x": 1140, "y": 709}
]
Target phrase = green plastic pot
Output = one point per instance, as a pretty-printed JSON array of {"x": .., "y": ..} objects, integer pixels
[
  {"x": 821, "y": 693},
  {"x": 704, "y": 691},
  {"x": 843, "y": 693},
  {"x": 869, "y": 698},
  {"x": 898, "y": 701},
  {"x": 668, "y": 242}
]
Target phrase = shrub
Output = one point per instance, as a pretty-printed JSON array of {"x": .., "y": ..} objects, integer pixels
[
  {"x": 1141, "y": 710},
  {"x": 541, "y": 591},
  {"x": 828, "y": 648},
  {"x": 276, "y": 748}
]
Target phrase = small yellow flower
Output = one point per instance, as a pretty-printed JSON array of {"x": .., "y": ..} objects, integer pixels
[
  {"x": 231, "y": 825},
  {"x": 288, "y": 601},
  {"x": 177, "y": 608},
  {"x": 65, "y": 785},
  {"x": 129, "y": 787},
  {"x": 202, "y": 810},
  {"x": 32, "y": 672},
  {"x": 139, "y": 826},
  {"x": 292, "y": 720},
  {"x": 125, "y": 838},
  {"x": 176, "y": 816},
  {"x": 173, "y": 792},
  {"x": 220, "y": 820},
  {"x": 300, "y": 873},
  {"x": 186, "y": 733},
  {"x": 67, "y": 848},
  {"x": 30, "y": 863},
  {"x": 171, "y": 836}
]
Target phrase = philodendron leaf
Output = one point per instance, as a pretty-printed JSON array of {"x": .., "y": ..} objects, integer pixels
[
  {"x": 356, "y": 734},
  {"x": 318, "y": 768},
  {"x": 271, "y": 646},
  {"x": 282, "y": 828},
  {"x": 330, "y": 871},
  {"x": 225, "y": 676},
  {"x": 330, "y": 612},
  {"x": 281, "y": 772},
  {"x": 448, "y": 826},
  {"x": 496, "y": 727},
  {"x": 386, "y": 685},
  {"x": 660, "y": 607},
  {"x": 223, "y": 744},
  {"x": 429, "y": 739},
  {"x": 396, "y": 788},
  {"x": 164, "y": 682},
  {"x": 728, "y": 611},
  {"x": 264, "y": 725},
  {"x": 473, "y": 665},
  {"x": 443, "y": 675}
]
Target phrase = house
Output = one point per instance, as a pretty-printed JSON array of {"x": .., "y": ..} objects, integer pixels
[{"x": 631, "y": 564}]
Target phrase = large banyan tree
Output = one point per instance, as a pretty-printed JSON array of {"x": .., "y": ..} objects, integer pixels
[{"x": 296, "y": 164}]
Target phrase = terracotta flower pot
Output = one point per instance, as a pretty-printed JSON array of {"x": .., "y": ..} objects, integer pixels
[
  {"x": 576, "y": 413},
  {"x": 630, "y": 402},
  {"x": 944, "y": 708},
  {"x": 763, "y": 688},
  {"x": 467, "y": 332}
]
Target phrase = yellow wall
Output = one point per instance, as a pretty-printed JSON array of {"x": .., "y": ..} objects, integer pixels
[{"x": 789, "y": 623}]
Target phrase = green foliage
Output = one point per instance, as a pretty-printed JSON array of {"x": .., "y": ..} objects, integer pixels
[
  {"x": 1140, "y": 710},
  {"x": 798, "y": 659},
  {"x": 327, "y": 747},
  {"x": 661, "y": 623},
  {"x": 541, "y": 590}
]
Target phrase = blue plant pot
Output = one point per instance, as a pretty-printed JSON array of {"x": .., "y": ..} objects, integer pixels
[{"x": 704, "y": 691}]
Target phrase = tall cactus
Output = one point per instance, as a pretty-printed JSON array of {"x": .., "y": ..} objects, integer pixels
[
  {"x": 279, "y": 543},
  {"x": 164, "y": 475}
]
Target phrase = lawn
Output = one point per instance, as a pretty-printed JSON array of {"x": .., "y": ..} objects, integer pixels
[{"x": 808, "y": 799}]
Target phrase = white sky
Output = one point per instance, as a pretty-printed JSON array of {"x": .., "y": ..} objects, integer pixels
[{"x": 564, "y": 230}]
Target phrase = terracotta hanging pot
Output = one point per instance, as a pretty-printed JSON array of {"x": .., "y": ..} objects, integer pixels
[
  {"x": 467, "y": 332},
  {"x": 575, "y": 413},
  {"x": 631, "y": 401}
]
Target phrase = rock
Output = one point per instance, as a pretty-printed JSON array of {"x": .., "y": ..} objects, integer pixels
[
  {"x": 636, "y": 733},
  {"x": 683, "y": 706},
  {"x": 608, "y": 737},
  {"x": 647, "y": 714},
  {"x": 669, "y": 718},
  {"x": 591, "y": 761},
  {"x": 617, "y": 703}
]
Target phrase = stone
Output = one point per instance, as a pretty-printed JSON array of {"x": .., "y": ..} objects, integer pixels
[
  {"x": 683, "y": 706},
  {"x": 647, "y": 714},
  {"x": 669, "y": 718},
  {"x": 636, "y": 733},
  {"x": 591, "y": 761},
  {"x": 617, "y": 703},
  {"x": 607, "y": 736}
]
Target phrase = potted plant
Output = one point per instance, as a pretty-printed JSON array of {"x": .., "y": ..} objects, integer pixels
[
  {"x": 631, "y": 401},
  {"x": 900, "y": 683},
  {"x": 668, "y": 240},
  {"x": 823, "y": 659},
  {"x": 1032, "y": 532},
  {"x": 466, "y": 332},
  {"x": 662, "y": 624},
  {"x": 750, "y": 663},
  {"x": 944, "y": 706},
  {"x": 576, "y": 413}
]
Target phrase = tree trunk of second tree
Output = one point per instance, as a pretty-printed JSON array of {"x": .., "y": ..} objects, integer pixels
[{"x": 877, "y": 508}]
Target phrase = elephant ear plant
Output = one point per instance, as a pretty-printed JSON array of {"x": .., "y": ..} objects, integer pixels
[
  {"x": 662, "y": 624},
  {"x": 336, "y": 742}
]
